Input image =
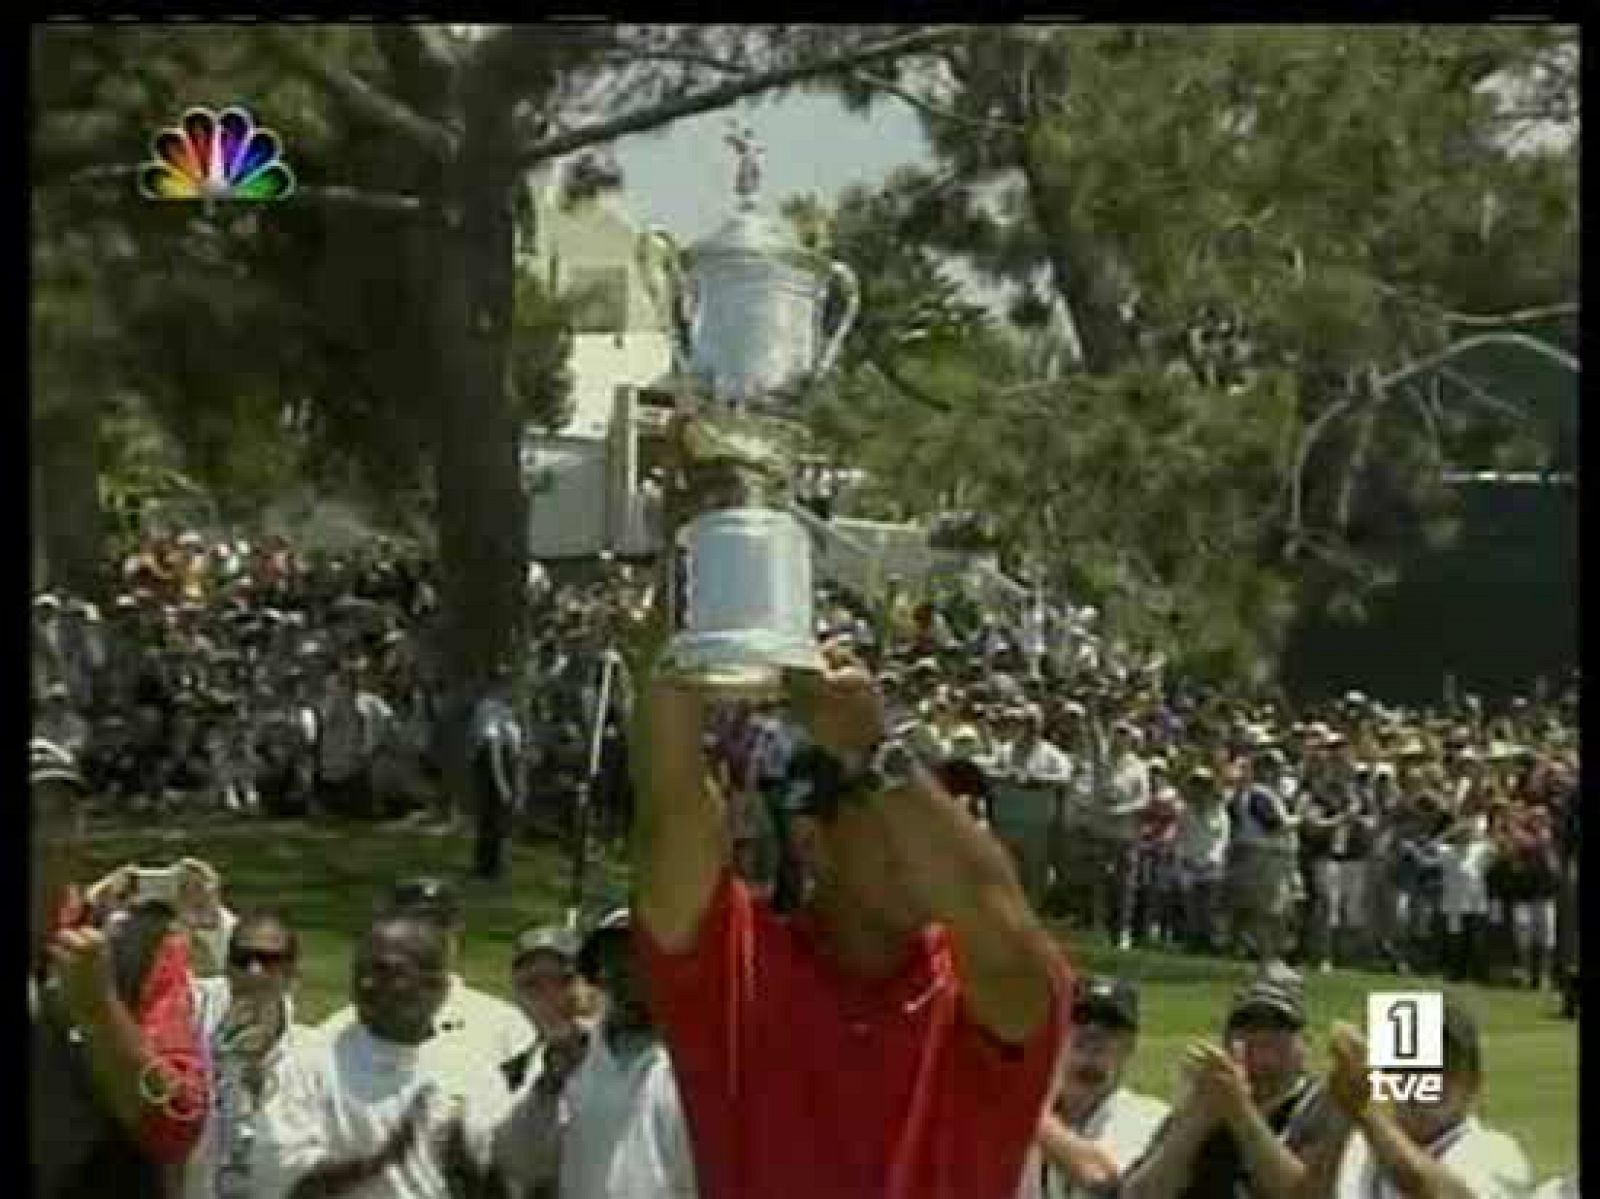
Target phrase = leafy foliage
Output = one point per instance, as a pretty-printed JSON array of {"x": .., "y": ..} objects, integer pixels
[{"x": 1237, "y": 230}]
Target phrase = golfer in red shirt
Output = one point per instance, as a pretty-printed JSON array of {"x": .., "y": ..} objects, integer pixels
[{"x": 898, "y": 1037}]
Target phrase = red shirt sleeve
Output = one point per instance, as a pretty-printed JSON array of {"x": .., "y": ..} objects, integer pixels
[
  {"x": 701, "y": 998},
  {"x": 166, "y": 1020}
]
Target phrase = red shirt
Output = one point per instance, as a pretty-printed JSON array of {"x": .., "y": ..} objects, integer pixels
[
  {"x": 801, "y": 1081},
  {"x": 166, "y": 1021},
  {"x": 165, "y": 1017}
]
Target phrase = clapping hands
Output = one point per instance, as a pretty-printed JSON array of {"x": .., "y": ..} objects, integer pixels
[
  {"x": 1347, "y": 1070},
  {"x": 1221, "y": 1089}
]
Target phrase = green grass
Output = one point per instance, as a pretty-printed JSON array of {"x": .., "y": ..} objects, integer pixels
[{"x": 329, "y": 877}]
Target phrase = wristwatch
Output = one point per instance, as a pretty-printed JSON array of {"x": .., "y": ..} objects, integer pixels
[{"x": 891, "y": 765}]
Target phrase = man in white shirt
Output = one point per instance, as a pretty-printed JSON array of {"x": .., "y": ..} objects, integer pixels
[
  {"x": 254, "y": 1050},
  {"x": 615, "y": 1128},
  {"x": 388, "y": 1109},
  {"x": 1416, "y": 1148},
  {"x": 1037, "y": 775},
  {"x": 493, "y": 1027},
  {"x": 544, "y": 979},
  {"x": 354, "y": 726},
  {"x": 1125, "y": 799},
  {"x": 1096, "y": 1127}
]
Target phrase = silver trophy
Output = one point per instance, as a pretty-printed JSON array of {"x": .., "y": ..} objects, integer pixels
[{"x": 750, "y": 311}]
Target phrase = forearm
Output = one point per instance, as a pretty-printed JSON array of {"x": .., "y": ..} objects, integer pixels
[
  {"x": 1165, "y": 1171},
  {"x": 120, "y": 1062},
  {"x": 1323, "y": 1158},
  {"x": 963, "y": 878},
  {"x": 1275, "y": 1172},
  {"x": 680, "y": 835},
  {"x": 955, "y": 867},
  {"x": 1414, "y": 1173},
  {"x": 329, "y": 1180},
  {"x": 504, "y": 792},
  {"x": 1083, "y": 1161}
]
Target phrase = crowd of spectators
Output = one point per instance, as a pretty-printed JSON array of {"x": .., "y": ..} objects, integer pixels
[
  {"x": 1346, "y": 832},
  {"x": 252, "y": 678}
]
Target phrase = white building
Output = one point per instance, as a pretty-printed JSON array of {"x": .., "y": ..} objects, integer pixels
[{"x": 584, "y": 481}]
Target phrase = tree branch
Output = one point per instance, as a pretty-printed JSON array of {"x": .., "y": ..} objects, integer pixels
[
  {"x": 910, "y": 390},
  {"x": 726, "y": 94},
  {"x": 1485, "y": 397},
  {"x": 366, "y": 100},
  {"x": 101, "y": 173},
  {"x": 352, "y": 196},
  {"x": 372, "y": 201},
  {"x": 1542, "y": 348},
  {"x": 1521, "y": 316},
  {"x": 936, "y": 111}
]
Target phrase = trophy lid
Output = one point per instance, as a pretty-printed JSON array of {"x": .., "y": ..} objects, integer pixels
[{"x": 748, "y": 233}]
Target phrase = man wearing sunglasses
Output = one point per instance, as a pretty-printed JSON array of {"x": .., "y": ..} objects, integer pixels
[
  {"x": 1252, "y": 1115},
  {"x": 254, "y": 1049}
]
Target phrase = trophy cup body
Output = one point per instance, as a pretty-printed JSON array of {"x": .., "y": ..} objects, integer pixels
[{"x": 751, "y": 312}]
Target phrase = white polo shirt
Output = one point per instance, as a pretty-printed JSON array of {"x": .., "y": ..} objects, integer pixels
[
  {"x": 626, "y": 1137},
  {"x": 1122, "y": 1124},
  {"x": 617, "y": 1131},
  {"x": 285, "y": 1065},
  {"x": 352, "y": 1099},
  {"x": 1489, "y": 1163},
  {"x": 491, "y": 1026}
]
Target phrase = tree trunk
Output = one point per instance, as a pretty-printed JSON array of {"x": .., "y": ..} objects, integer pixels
[
  {"x": 1080, "y": 272},
  {"x": 67, "y": 498},
  {"x": 482, "y": 510}
]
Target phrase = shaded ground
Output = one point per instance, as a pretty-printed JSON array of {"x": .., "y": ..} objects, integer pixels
[{"x": 329, "y": 876}]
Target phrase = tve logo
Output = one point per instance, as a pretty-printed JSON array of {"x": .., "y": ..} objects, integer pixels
[{"x": 1405, "y": 1045}]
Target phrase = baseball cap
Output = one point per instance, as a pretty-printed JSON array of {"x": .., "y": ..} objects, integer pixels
[
  {"x": 553, "y": 939},
  {"x": 1275, "y": 996},
  {"x": 616, "y": 923},
  {"x": 50, "y": 763},
  {"x": 427, "y": 896},
  {"x": 1106, "y": 1001}
]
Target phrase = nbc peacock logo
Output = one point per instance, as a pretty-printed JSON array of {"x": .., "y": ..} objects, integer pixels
[{"x": 216, "y": 157}]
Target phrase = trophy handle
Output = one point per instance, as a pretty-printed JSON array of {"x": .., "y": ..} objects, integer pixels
[
  {"x": 849, "y": 286},
  {"x": 680, "y": 306}
]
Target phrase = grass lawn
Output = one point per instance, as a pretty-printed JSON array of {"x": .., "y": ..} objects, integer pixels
[{"x": 328, "y": 877}]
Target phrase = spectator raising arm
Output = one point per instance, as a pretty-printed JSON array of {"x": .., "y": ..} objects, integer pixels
[{"x": 146, "y": 1066}]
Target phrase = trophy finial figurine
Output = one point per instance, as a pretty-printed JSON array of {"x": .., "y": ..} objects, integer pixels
[
  {"x": 747, "y": 180},
  {"x": 766, "y": 317}
]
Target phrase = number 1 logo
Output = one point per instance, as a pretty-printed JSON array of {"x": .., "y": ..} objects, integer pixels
[{"x": 1405, "y": 1030}]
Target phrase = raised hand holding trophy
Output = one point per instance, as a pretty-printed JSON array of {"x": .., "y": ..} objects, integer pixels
[{"x": 749, "y": 306}]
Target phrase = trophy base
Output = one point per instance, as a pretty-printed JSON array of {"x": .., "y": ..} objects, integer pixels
[{"x": 749, "y": 662}]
